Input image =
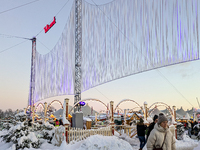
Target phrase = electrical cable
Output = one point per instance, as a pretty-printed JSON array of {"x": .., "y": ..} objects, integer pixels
[
  {"x": 13, "y": 36},
  {"x": 43, "y": 45},
  {"x": 18, "y": 7},
  {"x": 55, "y": 16},
  {"x": 102, "y": 94},
  {"x": 12, "y": 46}
]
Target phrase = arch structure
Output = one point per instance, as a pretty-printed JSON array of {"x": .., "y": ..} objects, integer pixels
[
  {"x": 28, "y": 107},
  {"x": 120, "y": 110},
  {"x": 38, "y": 106},
  {"x": 128, "y": 100},
  {"x": 88, "y": 99},
  {"x": 54, "y": 101},
  {"x": 158, "y": 104}
]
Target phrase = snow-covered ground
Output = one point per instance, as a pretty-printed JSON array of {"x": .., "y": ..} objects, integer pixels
[{"x": 98, "y": 142}]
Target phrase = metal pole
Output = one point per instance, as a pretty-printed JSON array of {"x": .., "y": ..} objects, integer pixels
[
  {"x": 32, "y": 82},
  {"x": 78, "y": 50}
]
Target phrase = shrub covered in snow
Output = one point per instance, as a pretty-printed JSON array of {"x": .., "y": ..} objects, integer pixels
[
  {"x": 21, "y": 137},
  {"x": 20, "y": 117},
  {"x": 6, "y": 126},
  {"x": 47, "y": 132}
]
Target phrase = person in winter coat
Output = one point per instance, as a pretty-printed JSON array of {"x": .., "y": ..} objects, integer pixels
[
  {"x": 141, "y": 133},
  {"x": 29, "y": 122},
  {"x": 189, "y": 128},
  {"x": 151, "y": 126},
  {"x": 160, "y": 136},
  {"x": 57, "y": 123},
  {"x": 61, "y": 122}
]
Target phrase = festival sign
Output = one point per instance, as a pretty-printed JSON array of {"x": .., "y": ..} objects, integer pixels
[{"x": 47, "y": 27}]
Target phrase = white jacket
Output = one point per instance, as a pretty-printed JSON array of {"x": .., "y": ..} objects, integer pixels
[
  {"x": 189, "y": 124},
  {"x": 156, "y": 139}
]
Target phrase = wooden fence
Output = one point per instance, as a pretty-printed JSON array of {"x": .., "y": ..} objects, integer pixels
[
  {"x": 80, "y": 134},
  {"x": 77, "y": 134},
  {"x": 125, "y": 129}
]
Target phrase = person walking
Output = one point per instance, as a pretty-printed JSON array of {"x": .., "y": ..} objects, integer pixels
[
  {"x": 141, "y": 132},
  {"x": 151, "y": 126},
  {"x": 161, "y": 137},
  {"x": 61, "y": 122},
  {"x": 189, "y": 128},
  {"x": 57, "y": 123}
]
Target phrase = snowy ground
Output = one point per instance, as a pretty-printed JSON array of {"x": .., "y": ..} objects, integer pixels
[{"x": 98, "y": 142}]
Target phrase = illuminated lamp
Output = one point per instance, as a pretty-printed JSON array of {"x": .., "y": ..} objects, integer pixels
[{"x": 82, "y": 103}]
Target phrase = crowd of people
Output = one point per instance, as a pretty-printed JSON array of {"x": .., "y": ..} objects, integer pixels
[
  {"x": 159, "y": 137},
  {"x": 190, "y": 126}
]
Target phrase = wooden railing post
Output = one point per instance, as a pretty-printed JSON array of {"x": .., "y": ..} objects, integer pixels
[
  {"x": 125, "y": 116},
  {"x": 95, "y": 119},
  {"x": 33, "y": 114},
  {"x": 45, "y": 112},
  {"x": 146, "y": 110},
  {"x": 175, "y": 124},
  {"x": 66, "y": 117},
  {"x": 112, "y": 116}
]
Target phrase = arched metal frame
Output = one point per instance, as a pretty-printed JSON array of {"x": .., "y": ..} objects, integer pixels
[
  {"x": 54, "y": 102},
  {"x": 120, "y": 109},
  {"x": 125, "y": 100},
  {"x": 28, "y": 107},
  {"x": 38, "y": 106},
  {"x": 89, "y": 99},
  {"x": 158, "y": 104}
]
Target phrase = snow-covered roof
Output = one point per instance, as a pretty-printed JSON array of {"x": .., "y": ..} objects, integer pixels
[{"x": 86, "y": 119}]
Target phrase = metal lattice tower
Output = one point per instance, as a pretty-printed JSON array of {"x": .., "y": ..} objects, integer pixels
[
  {"x": 32, "y": 84},
  {"x": 78, "y": 49}
]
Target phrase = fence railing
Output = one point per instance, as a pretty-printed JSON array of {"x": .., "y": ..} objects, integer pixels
[
  {"x": 125, "y": 129},
  {"x": 77, "y": 134},
  {"x": 81, "y": 134}
]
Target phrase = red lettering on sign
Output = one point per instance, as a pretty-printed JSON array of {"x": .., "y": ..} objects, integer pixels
[{"x": 47, "y": 27}]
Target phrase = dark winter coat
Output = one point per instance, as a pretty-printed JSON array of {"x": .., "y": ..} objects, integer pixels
[
  {"x": 141, "y": 129},
  {"x": 151, "y": 126},
  {"x": 61, "y": 123},
  {"x": 29, "y": 123}
]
